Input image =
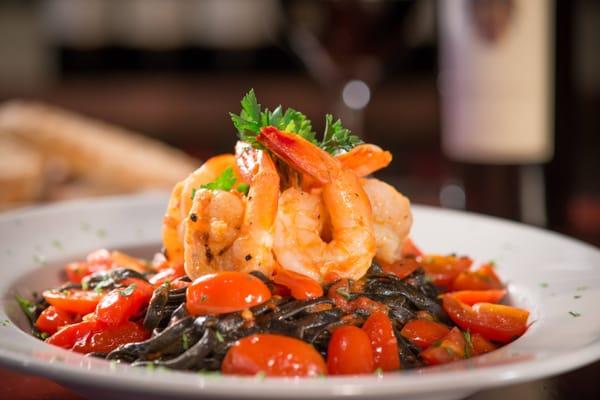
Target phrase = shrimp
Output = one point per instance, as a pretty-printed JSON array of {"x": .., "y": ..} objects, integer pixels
[
  {"x": 180, "y": 203},
  {"x": 298, "y": 244},
  {"x": 227, "y": 231},
  {"x": 392, "y": 218}
]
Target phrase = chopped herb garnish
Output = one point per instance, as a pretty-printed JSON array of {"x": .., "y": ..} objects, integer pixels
[
  {"x": 5, "y": 322},
  {"x": 128, "y": 291},
  {"x": 57, "y": 244},
  {"x": 468, "y": 343},
  {"x": 577, "y": 296},
  {"x": 185, "y": 341},
  {"x": 101, "y": 233},
  {"x": 575, "y": 314},
  {"x": 203, "y": 298},
  {"x": 243, "y": 188},
  {"x": 44, "y": 335},
  {"x": 378, "y": 372},
  {"x": 40, "y": 259},
  {"x": 337, "y": 138},
  {"x": 27, "y": 306},
  {"x": 219, "y": 336},
  {"x": 225, "y": 181},
  {"x": 343, "y": 291},
  {"x": 260, "y": 375},
  {"x": 544, "y": 285},
  {"x": 581, "y": 288}
]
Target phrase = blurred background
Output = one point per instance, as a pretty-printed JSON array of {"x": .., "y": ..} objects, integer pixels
[{"x": 487, "y": 105}]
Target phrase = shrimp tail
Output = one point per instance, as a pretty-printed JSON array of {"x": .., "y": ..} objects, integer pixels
[{"x": 365, "y": 159}]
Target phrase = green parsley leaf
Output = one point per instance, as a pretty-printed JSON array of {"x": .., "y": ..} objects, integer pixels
[
  {"x": 378, "y": 372},
  {"x": 185, "y": 341},
  {"x": 468, "y": 343},
  {"x": 128, "y": 291},
  {"x": 44, "y": 335},
  {"x": 243, "y": 188},
  {"x": 225, "y": 181},
  {"x": 27, "y": 307},
  {"x": 575, "y": 314},
  {"x": 219, "y": 336},
  {"x": 343, "y": 291},
  {"x": 336, "y": 138},
  {"x": 544, "y": 285}
]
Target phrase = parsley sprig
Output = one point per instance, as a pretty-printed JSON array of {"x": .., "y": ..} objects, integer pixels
[
  {"x": 225, "y": 181},
  {"x": 252, "y": 118}
]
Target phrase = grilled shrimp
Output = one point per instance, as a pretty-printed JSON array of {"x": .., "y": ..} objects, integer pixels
[
  {"x": 298, "y": 244},
  {"x": 228, "y": 231},
  {"x": 180, "y": 203}
]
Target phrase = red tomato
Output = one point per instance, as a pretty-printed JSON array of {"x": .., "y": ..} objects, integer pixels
[
  {"x": 52, "y": 319},
  {"x": 366, "y": 304},
  {"x": 450, "y": 348},
  {"x": 76, "y": 271},
  {"x": 350, "y": 352},
  {"x": 480, "y": 345},
  {"x": 484, "y": 278},
  {"x": 401, "y": 268},
  {"x": 444, "y": 269},
  {"x": 145, "y": 288},
  {"x": 273, "y": 355},
  {"x": 339, "y": 293},
  {"x": 118, "y": 305},
  {"x": 99, "y": 260},
  {"x": 301, "y": 287},
  {"x": 383, "y": 341},
  {"x": 409, "y": 249},
  {"x": 123, "y": 260},
  {"x": 493, "y": 321},
  {"x": 423, "y": 333},
  {"x": 471, "y": 297},
  {"x": 167, "y": 274},
  {"x": 70, "y": 335},
  {"x": 108, "y": 338},
  {"x": 225, "y": 292},
  {"x": 73, "y": 300}
]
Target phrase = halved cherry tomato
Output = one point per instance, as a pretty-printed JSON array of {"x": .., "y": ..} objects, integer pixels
[
  {"x": 69, "y": 335},
  {"x": 301, "y": 287},
  {"x": 401, "y": 268},
  {"x": 107, "y": 338},
  {"x": 225, "y": 292},
  {"x": 409, "y": 249},
  {"x": 450, "y": 348},
  {"x": 481, "y": 345},
  {"x": 444, "y": 269},
  {"x": 52, "y": 319},
  {"x": 350, "y": 352},
  {"x": 141, "y": 285},
  {"x": 339, "y": 292},
  {"x": 167, "y": 274},
  {"x": 99, "y": 260},
  {"x": 120, "y": 304},
  {"x": 471, "y": 297},
  {"x": 122, "y": 260},
  {"x": 493, "y": 321},
  {"x": 423, "y": 333},
  {"x": 383, "y": 341},
  {"x": 367, "y": 305},
  {"x": 76, "y": 271},
  {"x": 484, "y": 278},
  {"x": 273, "y": 355},
  {"x": 73, "y": 300}
]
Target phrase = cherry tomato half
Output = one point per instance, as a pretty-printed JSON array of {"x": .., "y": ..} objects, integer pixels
[
  {"x": 107, "y": 338},
  {"x": 401, "y": 268},
  {"x": 493, "y": 321},
  {"x": 73, "y": 300},
  {"x": 52, "y": 319},
  {"x": 69, "y": 335},
  {"x": 273, "y": 355},
  {"x": 423, "y": 333},
  {"x": 471, "y": 297},
  {"x": 350, "y": 352},
  {"x": 120, "y": 304},
  {"x": 301, "y": 287},
  {"x": 484, "y": 278},
  {"x": 409, "y": 249},
  {"x": 444, "y": 269},
  {"x": 383, "y": 341},
  {"x": 225, "y": 292},
  {"x": 450, "y": 348}
]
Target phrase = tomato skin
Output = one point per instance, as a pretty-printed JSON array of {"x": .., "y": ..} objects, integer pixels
[
  {"x": 52, "y": 319},
  {"x": 76, "y": 271},
  {"x": 273, "y": 355},
  {"x": 383, "y": 341},
  {"x": 423, "y": 333},
  {"x": 471, "y": 297},
  {"x": 74, "y": 300},
  {"x": 107, "y": 338},
  {"x": 450, "y": 348},
  {"x": 350, "y": 352},
  {"x": 120, "y": 304},
  {"x": 401, "y": 268},
  {"x": 409, "y": 249},
  {"x": 444, "y": 269},
  {"x": 301, "y": 287},
  {"x": 335, "y": 293},
  {"x": 167, "y": 274},
  {"x": 481, "y": 345},
  {"x": 367, "y": 305},
  {"x": 492, "y": 321},
  {"x": 484, "y": 278},
  {"x": 225, "y": 292},
  {"x": 70, "y": 335}
]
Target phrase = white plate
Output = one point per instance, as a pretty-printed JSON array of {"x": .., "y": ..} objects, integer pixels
[{"x": 549, "y": 274}]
